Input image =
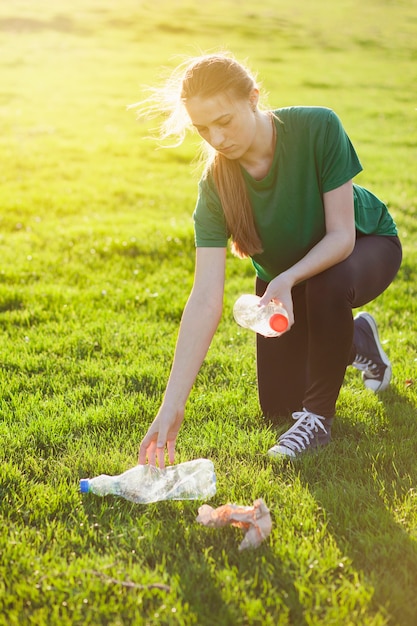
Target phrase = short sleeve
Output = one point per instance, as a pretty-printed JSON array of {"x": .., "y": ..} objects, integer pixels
[
  {"x": 210, "y": 227},
  {"x": 340, "y": 162}
]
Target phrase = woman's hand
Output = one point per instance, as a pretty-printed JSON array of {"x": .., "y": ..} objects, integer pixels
[
  {"x": 279, "y": 290},
  {"x": 161, "y": 434}
]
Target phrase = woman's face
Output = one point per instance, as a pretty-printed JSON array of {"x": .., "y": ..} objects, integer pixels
[{"x": 226, "y": 123}]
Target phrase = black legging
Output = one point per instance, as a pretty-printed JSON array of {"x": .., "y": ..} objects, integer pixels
[{"x": 305, "y": 367}]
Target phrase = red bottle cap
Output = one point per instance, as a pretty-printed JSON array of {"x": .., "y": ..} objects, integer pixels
[{"x": 278, "y": 322}]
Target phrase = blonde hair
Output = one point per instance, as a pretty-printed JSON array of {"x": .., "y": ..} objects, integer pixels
[{"x": 205, "y": 76}]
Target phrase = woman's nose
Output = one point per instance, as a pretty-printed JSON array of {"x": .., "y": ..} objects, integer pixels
[{"x": 216, "y": 138}]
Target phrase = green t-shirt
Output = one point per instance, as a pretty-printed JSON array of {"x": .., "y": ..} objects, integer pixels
[{"x": 313, "y": 155}]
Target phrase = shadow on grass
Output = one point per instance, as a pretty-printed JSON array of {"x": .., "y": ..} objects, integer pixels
[
  {"x": 224, "y": 586},
  {"x": 365, "y": 484},
  {"x": 219, "y": 584}
]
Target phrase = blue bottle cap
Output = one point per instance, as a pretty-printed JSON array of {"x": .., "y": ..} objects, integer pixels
[{"x": 84, "y": 485}]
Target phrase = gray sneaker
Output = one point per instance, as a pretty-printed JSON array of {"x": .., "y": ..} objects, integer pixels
[
  {"x": 370, "y": 358},
  {"x": 309, "y": 432}
]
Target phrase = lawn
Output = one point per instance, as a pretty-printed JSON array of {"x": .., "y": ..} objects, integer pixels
[{"x": 96, "y": 262}]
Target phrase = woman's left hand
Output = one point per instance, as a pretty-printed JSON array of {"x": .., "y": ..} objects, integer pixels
[{"x": 279, "y": 290}]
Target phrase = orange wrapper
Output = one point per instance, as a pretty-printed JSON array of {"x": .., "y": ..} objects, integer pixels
[{"x": 255, "y": 521}]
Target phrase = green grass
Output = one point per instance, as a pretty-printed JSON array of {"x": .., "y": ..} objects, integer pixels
[{"x": 96, "y": 262}]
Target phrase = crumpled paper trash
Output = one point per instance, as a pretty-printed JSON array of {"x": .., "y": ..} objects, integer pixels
[{"x": 254, "y": 520}]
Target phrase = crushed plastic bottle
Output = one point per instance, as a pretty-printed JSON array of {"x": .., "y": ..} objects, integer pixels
[
  {"x": 270, "y": 320},
  {"x": 143, "y": 484}
]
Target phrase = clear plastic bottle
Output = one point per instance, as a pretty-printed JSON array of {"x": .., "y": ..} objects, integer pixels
[
  {"x": 192, "y": 480},
  {"x": 270, "y": 320}
]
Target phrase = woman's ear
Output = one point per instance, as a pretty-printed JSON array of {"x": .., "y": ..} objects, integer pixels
[{"x": 254, "y": 98}]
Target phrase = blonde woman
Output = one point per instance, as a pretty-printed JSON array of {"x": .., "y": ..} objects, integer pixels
[{"x": 278, "y": 184}]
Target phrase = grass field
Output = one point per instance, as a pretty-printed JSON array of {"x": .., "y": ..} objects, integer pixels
[{"x": 96, "y": 262}]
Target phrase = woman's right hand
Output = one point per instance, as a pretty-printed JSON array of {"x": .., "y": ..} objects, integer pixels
[{"x": 161, "y": 434}]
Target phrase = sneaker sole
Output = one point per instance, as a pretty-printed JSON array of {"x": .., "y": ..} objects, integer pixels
[{"x": 371, "y": 383}]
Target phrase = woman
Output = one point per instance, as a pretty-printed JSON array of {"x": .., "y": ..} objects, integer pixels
[{"x": 280, "y": 185}]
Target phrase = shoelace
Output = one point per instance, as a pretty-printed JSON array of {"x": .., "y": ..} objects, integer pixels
[
  {"x": 299, "y": 435},
  {"x": 367, "y": 365}
]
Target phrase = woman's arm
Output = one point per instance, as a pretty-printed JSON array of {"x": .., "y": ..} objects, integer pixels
[
  {"x": 199, "y": 322},
  {"x": 336, "y": 245}
]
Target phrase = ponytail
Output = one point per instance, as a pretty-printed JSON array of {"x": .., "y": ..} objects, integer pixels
[{"x": 237, "y": 208}]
